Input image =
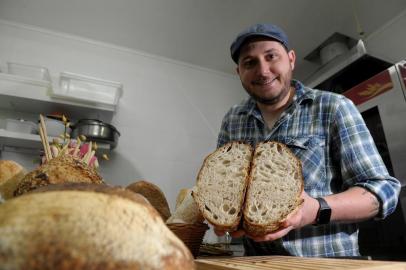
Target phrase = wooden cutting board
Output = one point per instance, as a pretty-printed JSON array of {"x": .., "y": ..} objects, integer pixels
[{"x": 294, "y": 263}]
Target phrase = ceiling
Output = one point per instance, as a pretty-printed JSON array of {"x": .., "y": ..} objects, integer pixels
[{"x": 199, "y": 32}]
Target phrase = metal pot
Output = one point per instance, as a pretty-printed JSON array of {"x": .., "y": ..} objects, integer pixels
[{"x": 96, "y": 130}]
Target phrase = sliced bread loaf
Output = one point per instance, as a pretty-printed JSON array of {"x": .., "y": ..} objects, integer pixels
[
  {"x": 221, "y": 185},
  {"x": 274, "y": 189}
]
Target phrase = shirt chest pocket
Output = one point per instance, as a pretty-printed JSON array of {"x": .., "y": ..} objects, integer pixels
[{"x": 311, "y": 151}]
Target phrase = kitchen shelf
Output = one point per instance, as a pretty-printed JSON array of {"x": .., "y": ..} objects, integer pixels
[
  {"x": 23, "y": 142},
  {"x": 32, "y": 96}
]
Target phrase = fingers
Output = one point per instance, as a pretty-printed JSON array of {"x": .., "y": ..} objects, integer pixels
[
  {"x": 273, "y": 236},
  {"x": 268, "y": 237},
  {"x": 293, "y": 219},
  {"x": 297, "y": 217},
  {"x": 235, "y": 234},
  {"x": 219, "y": 232}
]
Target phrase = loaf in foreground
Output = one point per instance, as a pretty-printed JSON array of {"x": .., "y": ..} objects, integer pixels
[
  {"x": 274, "y": 188},
  {"x": 221, "y": 185},
  {"x": 73, "y": 229}
]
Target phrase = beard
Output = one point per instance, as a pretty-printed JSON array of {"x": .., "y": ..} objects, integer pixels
[{"x": 271, "y": 100}]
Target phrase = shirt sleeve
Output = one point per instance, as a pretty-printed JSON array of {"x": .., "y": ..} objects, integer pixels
[{"x": 360, "y": 162}]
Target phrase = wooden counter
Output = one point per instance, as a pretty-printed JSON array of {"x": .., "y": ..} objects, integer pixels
[{"x": 294, "y": 263}]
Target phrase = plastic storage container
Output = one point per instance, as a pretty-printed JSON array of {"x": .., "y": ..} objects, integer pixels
[
  {"x": 30, "y": 71},
  {"x": 88, "y": 89},
  {"x": 21, "y": 126},
  {"x": 55, "y": 127}
]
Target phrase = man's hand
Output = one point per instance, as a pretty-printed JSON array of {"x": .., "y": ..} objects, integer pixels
[{"x": 304, "y": 215}]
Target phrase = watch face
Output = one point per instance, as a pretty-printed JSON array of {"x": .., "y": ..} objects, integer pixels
[{"x": 324, "y": 214}]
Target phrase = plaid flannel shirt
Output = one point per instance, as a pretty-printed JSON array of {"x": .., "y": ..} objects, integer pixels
[{"x": 326, "y": 131}]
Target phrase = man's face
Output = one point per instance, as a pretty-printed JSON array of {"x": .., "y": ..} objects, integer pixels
[{"x": 265, "y": 70}]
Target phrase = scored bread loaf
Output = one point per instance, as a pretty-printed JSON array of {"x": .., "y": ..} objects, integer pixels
[
  {"x": 62, "y": 169},
  {"x": 108, "y": 228},
  {"x": 11, "y": 173},
  {"x": 154, "y": 195},
  {"x": 274, "y": 189},
  {"x": 221, "y": 185}
]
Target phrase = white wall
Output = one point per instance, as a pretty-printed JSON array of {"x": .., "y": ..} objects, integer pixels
[
  {"x": 389, "y": 41},
  {"x": 169, "y": 115}
]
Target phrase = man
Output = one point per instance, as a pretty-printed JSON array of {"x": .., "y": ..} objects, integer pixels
[{"x": 344, "y": 176}]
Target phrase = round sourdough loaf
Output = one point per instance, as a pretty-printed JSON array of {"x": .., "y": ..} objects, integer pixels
[
  {"x": 97, "y": 227},
  {"x": 62, "y": 169},
  {"x": 11, "y": 173},
  {"x": 154, "y": 195}
]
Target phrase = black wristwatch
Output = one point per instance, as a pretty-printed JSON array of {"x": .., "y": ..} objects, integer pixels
[{"x": 324, "y": 213}]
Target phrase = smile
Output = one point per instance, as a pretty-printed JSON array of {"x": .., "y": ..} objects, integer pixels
[{"x": 265, "y": 82}]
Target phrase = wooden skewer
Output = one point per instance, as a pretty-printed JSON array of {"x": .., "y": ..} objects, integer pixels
[
  {"x": 41, "y": 134},
  {"x": 44, "y": 137},
  {"x": 89, "y": 151},
  {"x": 89, "y": 158},
  {"x": 48, "y": 155},
  {"x": 76, "y": 150},
  {"x": 54, "y": 151},
  {"x": 96, "y": 163}
]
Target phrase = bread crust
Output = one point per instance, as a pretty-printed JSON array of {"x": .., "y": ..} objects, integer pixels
[
  {"x": 254, "y": 229},
  {"x": 62, "y": 169},
  {"x": 234, "y": 225},
  {"x": 8, "y": 169},
  {"x": 83, "y": 229},
  {"x": 11, "y": 174},
  {"x": 101, "y": 188},
  {"x": 154, "y": 195}
]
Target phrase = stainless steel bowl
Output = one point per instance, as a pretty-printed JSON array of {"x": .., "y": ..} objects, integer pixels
[{"x": 96, "y": 130}]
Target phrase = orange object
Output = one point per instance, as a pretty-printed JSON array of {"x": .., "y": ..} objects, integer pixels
[{"x": 371, "y": 88}]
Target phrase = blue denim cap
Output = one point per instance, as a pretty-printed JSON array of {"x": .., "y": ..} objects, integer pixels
[{"x": 265, "y": 30}]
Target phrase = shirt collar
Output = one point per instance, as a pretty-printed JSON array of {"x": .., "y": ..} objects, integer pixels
[{"x": 302, "y": 93}]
